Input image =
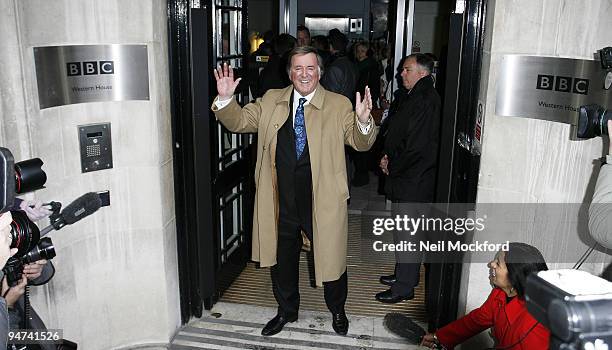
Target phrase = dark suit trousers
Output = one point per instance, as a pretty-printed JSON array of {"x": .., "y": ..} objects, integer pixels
[
  {"x": 285, "y": 276},
  {"x": 407, "y": 268}
]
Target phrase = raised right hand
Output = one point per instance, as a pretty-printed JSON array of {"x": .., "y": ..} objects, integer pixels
[{"x": 225, "y": 81}]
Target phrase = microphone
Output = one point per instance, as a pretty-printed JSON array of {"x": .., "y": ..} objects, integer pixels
[{"x": 81, "y": 207}]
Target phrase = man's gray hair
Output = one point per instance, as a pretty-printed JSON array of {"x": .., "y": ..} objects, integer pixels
[
  {"x": 423, "y": 61},
  {"x": 304, "y": 50}
]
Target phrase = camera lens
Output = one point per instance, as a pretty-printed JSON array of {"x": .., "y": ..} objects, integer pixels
[
  {"x": 29, "y": 176},
  {"x": 44, "y": 250},
  {"x": 592, "y": 121},
  {"x": 24, "y": 233},
  {"x": 605, "y": 56}
]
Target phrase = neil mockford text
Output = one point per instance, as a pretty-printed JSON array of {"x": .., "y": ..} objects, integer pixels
[
  {"x": 409, "y": 226},
  {"x": 441, "y": 246}
]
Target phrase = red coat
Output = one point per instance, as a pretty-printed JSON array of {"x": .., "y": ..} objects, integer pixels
[{"x": 512, "y": 325}]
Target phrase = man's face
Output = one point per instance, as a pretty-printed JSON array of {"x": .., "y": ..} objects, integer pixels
[
  {"x": 411, "y": 73},
  {"x": 361, "y": 52},
  {"x": 303, "y": 38},
  {"x": 304, "y": 73}
]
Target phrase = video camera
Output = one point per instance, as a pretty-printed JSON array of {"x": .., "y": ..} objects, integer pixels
[
  {"x": 593, "y": 118},
  {"x": 17, "y": 178},
  {"x": 592, "y": 121},
  {"x": 574, "y": 305},
  {"x": 25, "y": 236}
]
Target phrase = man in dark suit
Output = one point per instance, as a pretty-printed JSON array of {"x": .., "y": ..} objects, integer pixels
[
  {"x": 300, "y": 177},
  {"x": 410, "y": 162}
]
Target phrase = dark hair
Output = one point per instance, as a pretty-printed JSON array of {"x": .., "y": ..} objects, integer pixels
[
  {"x": 268, "y": 36},
  {"x": 301, "y": 28},
  {"x": 424, "y": 61},
  {"x": 338, "y": 40},
  {"x": 304, "y": 50},
  {"x": 320, "y": 42},
  {"x": 522, "y": 260},
  {"x": 265, "y": 48},
  {"x": 284, "y": 43}
]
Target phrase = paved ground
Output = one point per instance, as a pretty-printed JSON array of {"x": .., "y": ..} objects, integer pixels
[{"x": 238, "y": 326}]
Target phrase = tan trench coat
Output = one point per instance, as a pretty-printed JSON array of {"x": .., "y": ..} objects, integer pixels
[{"x": 330, "y": 124}]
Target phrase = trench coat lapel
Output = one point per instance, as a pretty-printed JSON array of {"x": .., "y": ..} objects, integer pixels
[
  {"x": 279, "y": 116},
  {"x": 313, "y": 117}
]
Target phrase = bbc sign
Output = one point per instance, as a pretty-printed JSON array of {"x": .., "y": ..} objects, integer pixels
[
  {"x": 90, "y": 68},
  {"x": 548, "y": 88},
  {"x": 91, "y": 73},
  {"x": 563, "y": 84}
]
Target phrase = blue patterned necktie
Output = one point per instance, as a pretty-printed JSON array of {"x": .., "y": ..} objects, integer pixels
[{"x": 300, "y": 129}]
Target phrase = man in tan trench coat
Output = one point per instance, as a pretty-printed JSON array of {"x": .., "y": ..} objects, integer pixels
[{"x": 300, "y": 178}]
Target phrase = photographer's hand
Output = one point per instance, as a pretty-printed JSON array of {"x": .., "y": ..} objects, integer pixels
[
  {"x": 34, "y": 209},
  {"x": 33, "y": 270},
  {"x": 12, "y": 294},
  {"x": 5, "y": 240}
]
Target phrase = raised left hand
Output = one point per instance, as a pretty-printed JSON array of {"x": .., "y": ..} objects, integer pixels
[{"x": 363, "y": 107}]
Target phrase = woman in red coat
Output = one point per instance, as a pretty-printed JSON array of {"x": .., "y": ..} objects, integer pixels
[{"x": 504, "y": 310}]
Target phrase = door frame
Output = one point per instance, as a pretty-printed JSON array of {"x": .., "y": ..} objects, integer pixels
[
  {"x": 458, "y": 167},
  {"x": 202, "y": 278},
  {"x": 192, "y": 256}
]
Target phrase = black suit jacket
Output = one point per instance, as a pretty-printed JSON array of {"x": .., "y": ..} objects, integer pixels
[{"x": 411, "y": 143}]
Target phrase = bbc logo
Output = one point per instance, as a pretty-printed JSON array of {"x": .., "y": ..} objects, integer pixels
[
  {"x": 563, "y": 84},
  {"x": 90, "y": 68}
]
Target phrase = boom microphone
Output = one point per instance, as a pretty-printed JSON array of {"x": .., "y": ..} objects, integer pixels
[{"x": 81, "y": 207}]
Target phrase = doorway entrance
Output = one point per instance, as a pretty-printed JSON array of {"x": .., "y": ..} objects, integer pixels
[{"x": 213, "y": 168}]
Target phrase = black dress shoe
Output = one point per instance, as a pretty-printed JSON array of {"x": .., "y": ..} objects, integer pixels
[
  {"x": 388, "y": 280},
  {"x": 276, "y": 324},
  {"x": 388, "y": 297},
  {"x": 340, "y": 323}
]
